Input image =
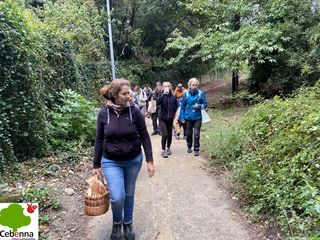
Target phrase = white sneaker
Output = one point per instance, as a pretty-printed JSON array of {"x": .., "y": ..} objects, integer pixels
[
  {"x": 164, "y": 154},
  {"x": 169, "y": 151}
]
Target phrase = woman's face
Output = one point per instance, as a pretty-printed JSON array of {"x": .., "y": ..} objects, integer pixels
[
  {"x": 193, "y": 85},
  {"x": 166, "y": 86},
  {"x": 123, "y": 96}
]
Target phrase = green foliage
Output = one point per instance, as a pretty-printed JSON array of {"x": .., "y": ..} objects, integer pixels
[
  {"x": 22, "y": 111},
  {"x": 141, "y": 29},
  {"x": 42, "y": 196},
  {"x": 74, "y": 119},
  {"x": 44, "y": 219},
  {"x": 219, "y": 137},
  {"x": 42, "y": 52},
  {"x": 279, "y": 47},
  {"x": 70, "y": 48},
  {"x": 274, "y": 154}
]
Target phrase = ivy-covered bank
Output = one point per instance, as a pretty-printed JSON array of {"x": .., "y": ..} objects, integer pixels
[
  {"x": 41, "y": 53},
  {"x": 274, "y": 152}
]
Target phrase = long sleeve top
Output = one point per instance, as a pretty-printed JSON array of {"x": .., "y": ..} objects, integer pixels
[
  {"x": 119, "y": 137},
  {"x": 167, "y": 105},
  {"x": 189, "y": 99}
]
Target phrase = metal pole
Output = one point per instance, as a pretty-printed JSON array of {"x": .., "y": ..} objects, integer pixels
[{"x": 113, "y": 71}]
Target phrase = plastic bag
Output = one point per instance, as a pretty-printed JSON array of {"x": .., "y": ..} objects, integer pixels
[
  {"x": 152, "y": 108},
  {"x": 176, "y": 124},
  {"x": 205, "y": 116},
  {"x": 177, "y": 115}
]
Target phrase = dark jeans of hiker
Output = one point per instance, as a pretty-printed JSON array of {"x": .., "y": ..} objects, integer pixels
[
  {"x": 154, "y": 117},
  {"x": 193, "y": 130},
  {"x": 166, "y": 132}
]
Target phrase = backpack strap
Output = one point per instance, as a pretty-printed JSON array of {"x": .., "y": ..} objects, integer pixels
[
  {"x": 199, "y": 94},
  {"x": 187, "y": 96},
  {"x": 130, "y": 113},
  {"x": 108, "y": 117}
]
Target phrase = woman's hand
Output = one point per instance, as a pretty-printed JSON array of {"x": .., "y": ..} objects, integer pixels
[
  {"x": 150, "y": 169},
  {"x": 95, "y": 171},
  {"x": 196, "y": 106}
]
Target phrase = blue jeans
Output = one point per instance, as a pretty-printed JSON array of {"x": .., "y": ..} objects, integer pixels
[{"x": 121, "y": 179}]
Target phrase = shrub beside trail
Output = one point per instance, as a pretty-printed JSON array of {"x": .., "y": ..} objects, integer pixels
[{"x": 274, "y": 153}]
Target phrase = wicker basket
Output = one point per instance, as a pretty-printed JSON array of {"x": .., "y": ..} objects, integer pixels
[{"x": 97, "y": 205}]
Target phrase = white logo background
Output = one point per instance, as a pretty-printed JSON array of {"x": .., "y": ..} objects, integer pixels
[{"x": 32, "y": 227}]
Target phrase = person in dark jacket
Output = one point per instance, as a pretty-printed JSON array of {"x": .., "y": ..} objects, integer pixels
[
  {"x": 121, "y": 129},
  {"x": 154, "y": 114},
  {"x": 167, "y": 106},
  {"x": 192, "y": 102}
]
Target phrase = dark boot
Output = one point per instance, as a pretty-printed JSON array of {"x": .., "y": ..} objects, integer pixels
[
  {"x": 154, "y": 133},
  {"x": 128, "y": 231},
  {"x": 116, "y": 232}
]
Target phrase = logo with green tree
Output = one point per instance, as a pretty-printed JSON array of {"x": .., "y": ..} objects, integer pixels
[{"x": 13, "y": 217}]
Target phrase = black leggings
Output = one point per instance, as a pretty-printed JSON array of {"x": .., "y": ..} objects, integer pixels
[{"x": 166, "y": 132}]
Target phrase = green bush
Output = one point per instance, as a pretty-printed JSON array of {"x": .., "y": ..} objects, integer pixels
[
  {"x": 219, "y": 134},
  {"x": 42, "y": 52},
  {"x": 42, "y": 196},
  {"x": 274, "y": 153},
  {"x": 72, "y": 120},
  {"x": 21, "y": 109}
]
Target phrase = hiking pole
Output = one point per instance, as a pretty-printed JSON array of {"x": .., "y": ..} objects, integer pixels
[{"x": 113, "y": 72}]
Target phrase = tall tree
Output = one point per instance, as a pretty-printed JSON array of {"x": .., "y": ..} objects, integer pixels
[
  {"x": 275, "y": 39},
  {"x": 141, "y": 31}
]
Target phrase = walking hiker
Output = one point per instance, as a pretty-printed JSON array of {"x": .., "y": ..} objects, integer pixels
[
  {"x": 154, "y": 110},
  {"x": 167, "y": 107},
  {"x": 178, "y": 92},
  {"x": 190, "y": 113},
  {"x": 133, "y": 98},
  {"x": 177, "y": 124},
  {"x": 148, "y": 91},
  {"x": 142, "y": 99},
  {"x": 118, "y": 152}
]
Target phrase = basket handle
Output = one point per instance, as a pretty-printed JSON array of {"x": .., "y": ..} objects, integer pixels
[{"x": 102, "y": 179}]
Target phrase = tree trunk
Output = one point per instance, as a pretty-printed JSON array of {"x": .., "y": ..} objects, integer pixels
[{"x": 235, "y": 74}]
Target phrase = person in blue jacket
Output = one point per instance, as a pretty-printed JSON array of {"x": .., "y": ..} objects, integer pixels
[{"x": 192, "y": 102}]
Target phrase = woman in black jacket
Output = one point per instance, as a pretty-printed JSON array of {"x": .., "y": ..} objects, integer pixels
[
  {"x": 167, "y": 106},
  {"x": 121, "y": 129}
]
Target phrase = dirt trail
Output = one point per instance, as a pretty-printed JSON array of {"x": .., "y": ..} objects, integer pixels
[{"x": 180, "y": 202}]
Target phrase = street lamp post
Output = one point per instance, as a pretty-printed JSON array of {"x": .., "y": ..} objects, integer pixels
[{"x": 113, "y": 71}]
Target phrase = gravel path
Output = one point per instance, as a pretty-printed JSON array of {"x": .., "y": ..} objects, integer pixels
[{"x": 180, "y": 202}]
